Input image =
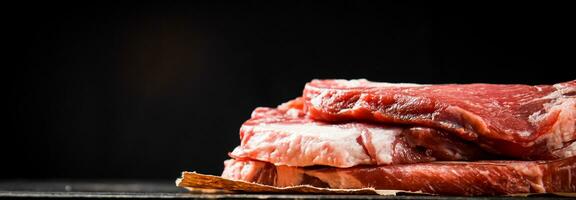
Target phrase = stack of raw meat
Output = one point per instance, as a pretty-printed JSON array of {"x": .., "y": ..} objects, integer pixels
[{"x": 452, "y": 139}]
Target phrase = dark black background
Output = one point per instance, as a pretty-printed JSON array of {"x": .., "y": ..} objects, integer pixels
[{"x": 146, "y": 90}]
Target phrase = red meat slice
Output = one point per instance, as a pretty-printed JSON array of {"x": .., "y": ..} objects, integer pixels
[
  {"x": 445, "y": 178},
  {"x": 521, "y": 121},
  {"x": 284, "y": 136}
]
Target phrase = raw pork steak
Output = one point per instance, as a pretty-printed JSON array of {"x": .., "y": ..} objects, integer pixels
[
  {"x": 446, "y": 178},
  {"x": 521, "y": 121},
  {"x": 284, "y": 136}
]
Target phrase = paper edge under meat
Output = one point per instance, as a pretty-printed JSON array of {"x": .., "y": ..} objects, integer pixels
[{"x": 196, "y": 182}]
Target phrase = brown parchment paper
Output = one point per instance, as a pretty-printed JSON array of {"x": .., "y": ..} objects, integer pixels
[
  {"x": 200, "y": 182},
  {"x": 196, "y": 182}
]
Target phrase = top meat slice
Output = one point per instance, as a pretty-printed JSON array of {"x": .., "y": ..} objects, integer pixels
[
  {"x": 520, "y": 121},
  {"x": 285, "y": 136}
]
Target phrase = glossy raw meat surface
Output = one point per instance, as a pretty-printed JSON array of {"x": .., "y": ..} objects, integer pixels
[
  {"x": 285, "y": 136},
  {"x": 446, "y": 178},
  {"x": 520, "y": 121}
]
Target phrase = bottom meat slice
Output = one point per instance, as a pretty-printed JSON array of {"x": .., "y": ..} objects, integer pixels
[{"x": 445, "y": 178}]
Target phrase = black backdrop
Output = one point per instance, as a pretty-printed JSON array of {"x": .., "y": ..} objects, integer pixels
[{"x": 143, "y": 91}]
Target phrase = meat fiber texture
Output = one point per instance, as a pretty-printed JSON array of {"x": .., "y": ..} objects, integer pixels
[
  {"x": 359, "y": 134},
  {"x": 519, "y": 121},
  {"x": 285, "y": 136},
  {"x": 444, "y": 178}
]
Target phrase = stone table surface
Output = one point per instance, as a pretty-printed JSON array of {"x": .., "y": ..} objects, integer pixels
[{"x": 167, "y": 190}]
